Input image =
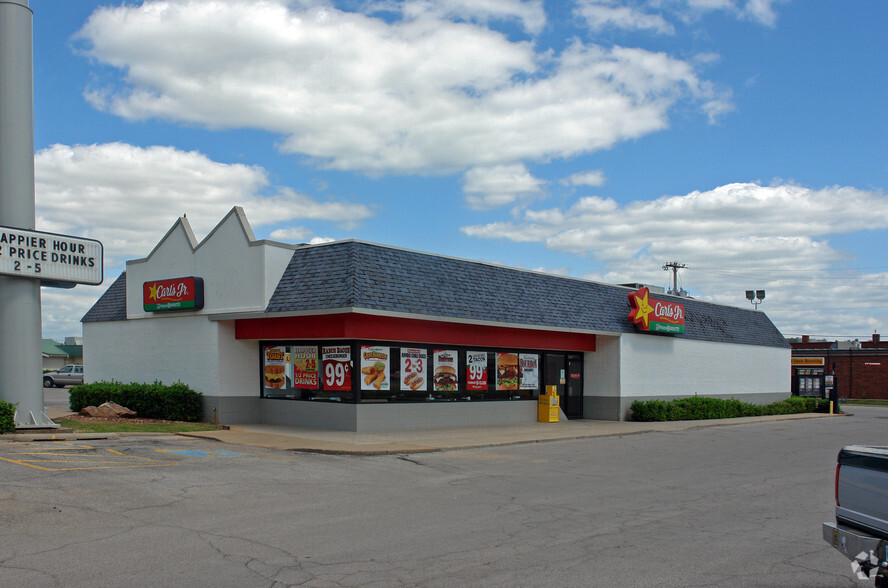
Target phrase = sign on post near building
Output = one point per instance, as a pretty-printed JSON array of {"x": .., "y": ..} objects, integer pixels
[{"x": 50, "y": 257}]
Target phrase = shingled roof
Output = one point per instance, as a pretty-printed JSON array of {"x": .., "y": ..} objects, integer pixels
[
  {"x": 111, "y": 306},
  {"x": 354, "y": 274},
  {"x": 359, "y": 275}
]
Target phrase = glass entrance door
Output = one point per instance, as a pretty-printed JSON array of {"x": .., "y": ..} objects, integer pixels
[
  {"x": 565, "y": 372},
  {"x": 573, "y": 393}
]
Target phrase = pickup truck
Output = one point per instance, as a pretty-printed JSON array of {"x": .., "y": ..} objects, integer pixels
[
  {"x": 860, "y": 531},
  {"x": 70, "y": 375}
]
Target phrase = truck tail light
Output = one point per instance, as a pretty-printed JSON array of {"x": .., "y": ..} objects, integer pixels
[{"x": 838, "y": 467}]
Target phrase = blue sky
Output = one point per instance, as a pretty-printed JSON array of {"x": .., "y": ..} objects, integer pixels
[{"x": 597, "y": 138}]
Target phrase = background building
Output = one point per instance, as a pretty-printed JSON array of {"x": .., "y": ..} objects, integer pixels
[
  {"x": 56, "y": 355},
  {"x": 860, "y": 368}
]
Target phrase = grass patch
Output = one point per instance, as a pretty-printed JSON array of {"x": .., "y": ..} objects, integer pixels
[
  {"x": 117, "y": 427},
  {"x": 867, "y": 402}
]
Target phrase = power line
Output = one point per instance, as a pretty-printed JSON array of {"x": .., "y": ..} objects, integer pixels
[
  {"x": 826, "y": 269},
  {"x": 812, "y": 335}
]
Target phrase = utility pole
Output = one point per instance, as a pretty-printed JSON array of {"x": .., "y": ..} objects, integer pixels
[{"x": 674, "y": 266}]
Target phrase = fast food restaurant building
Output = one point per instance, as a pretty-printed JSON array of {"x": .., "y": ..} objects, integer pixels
[{"x": 360, "y": 337}]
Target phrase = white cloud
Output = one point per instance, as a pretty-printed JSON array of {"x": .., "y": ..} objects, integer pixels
[
  {"x": 62, "y": 309},
  {"x": 655, "y": 15},
  {"x": 353, "y": 91},
  {"x": 320, "y": 240},
  {"x": 128, "y": 196},
  {"x": 602, "y": 14},
  {"x": 291, "y": 234},
  {"x": 500, "y": 185},
  {"x": 761, "y": 11},
  {"x": 734, "y": 237},
  {"x": 530, "y": 13},
  {"x": 714, "y": 224},
  {"x": 589, "y": 178}
]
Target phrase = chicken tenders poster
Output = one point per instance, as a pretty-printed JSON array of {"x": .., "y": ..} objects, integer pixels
[{"x": 375, "y": 367}]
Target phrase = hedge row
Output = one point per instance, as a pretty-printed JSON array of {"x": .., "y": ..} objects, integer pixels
[
  {"x": 176, "y": 402},
  {"x": 699, "y": 407},
  {"x": 7, "y": 417}
]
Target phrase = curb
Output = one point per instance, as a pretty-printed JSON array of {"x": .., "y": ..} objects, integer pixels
[{"x": 32, "y": 437}]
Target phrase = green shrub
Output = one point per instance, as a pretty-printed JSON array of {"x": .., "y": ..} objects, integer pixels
[
  {"x": 176, "y": 402},
  {"x": 7, "y": 417},
  {"x": 702, "y": 407},
  {"x": 648, "y": 410}
]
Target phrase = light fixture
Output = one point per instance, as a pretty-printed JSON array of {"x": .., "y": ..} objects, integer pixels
[{"x": 755, "y": 297}]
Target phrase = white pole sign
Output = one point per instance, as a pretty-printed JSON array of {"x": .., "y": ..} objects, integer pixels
[{"x": 48, "y": 256}]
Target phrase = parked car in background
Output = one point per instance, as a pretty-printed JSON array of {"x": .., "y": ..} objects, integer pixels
[{"x": 66, "y": 376}]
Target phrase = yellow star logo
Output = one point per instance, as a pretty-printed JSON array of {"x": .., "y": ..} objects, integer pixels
[
  {"x": 644, "y": 309},
  {"x": 152, "y": 291},
  {"x": 641, "y": 308}
]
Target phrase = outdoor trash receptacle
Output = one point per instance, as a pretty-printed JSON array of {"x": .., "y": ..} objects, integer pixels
[{"x": 548, "y": 406}]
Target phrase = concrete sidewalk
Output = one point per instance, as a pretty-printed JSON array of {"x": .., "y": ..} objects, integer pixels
[
  {"x": 388, "y": 442},
  {"x": 381, "y": 443}
]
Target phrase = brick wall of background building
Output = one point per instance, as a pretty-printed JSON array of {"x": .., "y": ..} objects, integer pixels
[{"x": 860, "y": 373}]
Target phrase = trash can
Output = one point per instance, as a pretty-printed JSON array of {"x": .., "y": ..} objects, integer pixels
[{"x": 547, "y": 409}]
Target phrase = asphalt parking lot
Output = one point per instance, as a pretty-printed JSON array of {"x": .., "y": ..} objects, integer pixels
[
  {"x": 57, "y": 456},
  {"x": 737, "y": 505}
]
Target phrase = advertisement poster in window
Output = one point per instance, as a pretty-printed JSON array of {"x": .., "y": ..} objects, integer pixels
[
  {"x": 414, "y": 363},
  {"x": 337, "y": 367},
  {"x": 506, "y": 371},
  {"x": 476, "y": 370},
  {"x": 305, "y": 366},
  {"x": 375, "y": 367},
  {"x": 530, "y": 370},
  {"x": 446, "y": 379},
  {"x": 276, "y": 361}
]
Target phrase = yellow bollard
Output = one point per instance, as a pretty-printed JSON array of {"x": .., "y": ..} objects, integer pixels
[{"x": 830, "y": 407}]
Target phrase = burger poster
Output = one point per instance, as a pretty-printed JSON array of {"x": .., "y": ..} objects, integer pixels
[
  {"x": 506, "y": 371},
  {"x": 305, "y": 366},
  {"x": 375, "y": 367},
  {"x": 414, "y": 363},
  {"x": 276, "y": 367},
  {"x": 337, "y": 367},
  {"x": 529, "y": 364},
  {"x": 476, "y": 370},
  {"x": 445, "y": 377}
]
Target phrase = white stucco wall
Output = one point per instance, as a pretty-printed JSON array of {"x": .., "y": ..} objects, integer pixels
[
  {"x": 239, "y": 273},
  {"x": 671, "y": 368},
  {"x": 168, "y": 350},
  {"x": 601, "y": 376},
  {"x": 238, "y": 373}
]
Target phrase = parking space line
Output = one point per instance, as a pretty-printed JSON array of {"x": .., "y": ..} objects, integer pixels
[{"x": 98, "y": 459}]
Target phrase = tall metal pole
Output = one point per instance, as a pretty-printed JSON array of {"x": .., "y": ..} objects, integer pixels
[{"x": 20, "y": 323}]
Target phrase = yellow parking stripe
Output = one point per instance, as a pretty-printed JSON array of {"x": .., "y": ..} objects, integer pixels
[{"x": 60, "y": 452}]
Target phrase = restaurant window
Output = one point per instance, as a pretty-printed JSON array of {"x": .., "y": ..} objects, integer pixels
[
  {"x": 385, "y": 372},
  {"x": 308, "y": 372}
]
